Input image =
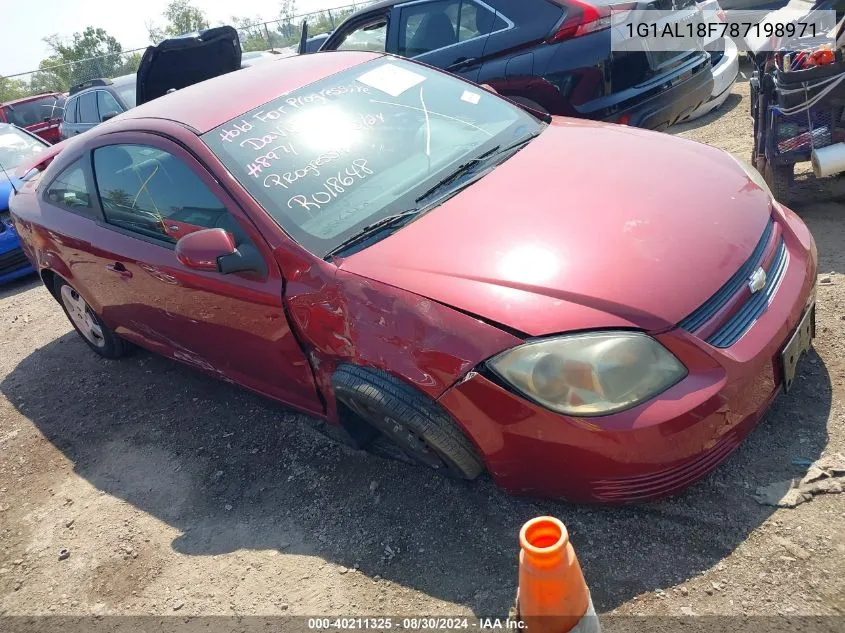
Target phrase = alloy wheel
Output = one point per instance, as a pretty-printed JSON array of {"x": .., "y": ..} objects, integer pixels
[{"x": 83, "y": 317}]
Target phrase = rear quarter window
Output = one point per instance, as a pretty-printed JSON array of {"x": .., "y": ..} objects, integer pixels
[{"x": 69, "y": 190}]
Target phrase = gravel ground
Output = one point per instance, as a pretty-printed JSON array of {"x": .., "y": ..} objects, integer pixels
[{"x": 176, "y": 493}]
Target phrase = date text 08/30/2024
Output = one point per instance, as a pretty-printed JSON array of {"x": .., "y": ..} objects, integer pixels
[{"x": 413, "y": 624}]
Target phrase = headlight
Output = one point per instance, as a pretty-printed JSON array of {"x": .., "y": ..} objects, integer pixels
[
  {"x": 755, "y": 176},
  {"x": 590, "y": 374}
]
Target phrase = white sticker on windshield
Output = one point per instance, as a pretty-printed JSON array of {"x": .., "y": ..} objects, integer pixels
[
  {"x": 392, "y": 79},
  {"x": 471, "y": 97}
]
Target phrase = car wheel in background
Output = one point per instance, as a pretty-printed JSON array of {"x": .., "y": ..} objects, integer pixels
[
  {"x": 417, "y": 425},
  {"x": 88, "y": 325},
  {"x": 779, "y": 178}
]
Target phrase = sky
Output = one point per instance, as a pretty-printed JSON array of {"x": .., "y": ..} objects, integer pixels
[{"x": 25, "y": 23}]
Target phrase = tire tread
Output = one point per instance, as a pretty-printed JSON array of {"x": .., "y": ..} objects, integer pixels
[{"x": 416, "y": 409}]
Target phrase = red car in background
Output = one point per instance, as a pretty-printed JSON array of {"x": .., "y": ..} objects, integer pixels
[
  {"x": 40, "y": 114},
  {"x": 400, "y": 252}
]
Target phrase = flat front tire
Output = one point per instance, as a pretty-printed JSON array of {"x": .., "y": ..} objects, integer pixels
[{"x": 422, "y": 430}]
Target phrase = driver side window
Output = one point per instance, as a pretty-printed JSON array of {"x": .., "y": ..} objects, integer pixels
[
  {"x": 150, "y": 192},
  {"x": 369, "y": 37}
]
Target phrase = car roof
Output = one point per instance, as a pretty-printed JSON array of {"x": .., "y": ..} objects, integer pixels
[
  {"x": 242, "y": 90},
  {"x": 32, "y": 98},
  {"x": 124, "y": 79},
  {"x": 375, "y": 6},
  {"x": 117, "y": 82}
]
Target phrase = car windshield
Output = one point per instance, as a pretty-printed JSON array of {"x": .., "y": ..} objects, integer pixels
[
  {"x": 332, "y": 158},
  {"x": 16, "y": 146},
  {"x": 35, "y": 111}
]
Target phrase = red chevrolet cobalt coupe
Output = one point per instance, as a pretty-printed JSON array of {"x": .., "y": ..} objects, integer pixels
[{"x": 584, "y": 310}]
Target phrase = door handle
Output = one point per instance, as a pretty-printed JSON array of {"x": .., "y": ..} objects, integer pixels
[
  {"x": 462, "y": 62},
  {"x": 120, "y": 269}
]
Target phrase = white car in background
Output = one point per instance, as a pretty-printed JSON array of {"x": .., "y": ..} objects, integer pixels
[{"x": 724, "y": 57}]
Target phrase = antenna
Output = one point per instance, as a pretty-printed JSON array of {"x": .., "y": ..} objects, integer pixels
[{"x": 11, "y": 182}]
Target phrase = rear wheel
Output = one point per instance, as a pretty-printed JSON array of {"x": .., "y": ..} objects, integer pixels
[
  {"x": 88, "y": 324},
  {"x": 421, "y": 430}
]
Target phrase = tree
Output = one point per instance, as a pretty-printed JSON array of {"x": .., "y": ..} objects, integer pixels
[
  {"x": 255, "y": 35},
  {"x": 182, "y": 17},
  {"x": 12, "y": 89},
  {"x": 87, "y": 55},
  {"x": 287, "y": 14},
  {"x": 130, "y": 65}
]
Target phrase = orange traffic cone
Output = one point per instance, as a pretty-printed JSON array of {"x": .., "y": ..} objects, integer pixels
[{"x": 552, "y": 595}]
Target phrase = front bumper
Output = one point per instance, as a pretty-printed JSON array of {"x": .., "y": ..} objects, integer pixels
[{"x": 659, "y": 447}]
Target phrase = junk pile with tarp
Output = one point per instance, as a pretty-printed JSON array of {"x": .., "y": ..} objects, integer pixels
[{"x": 797, "y": 104}]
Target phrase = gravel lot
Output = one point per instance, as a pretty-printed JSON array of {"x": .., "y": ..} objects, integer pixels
[{"x": 177, "y": 493}]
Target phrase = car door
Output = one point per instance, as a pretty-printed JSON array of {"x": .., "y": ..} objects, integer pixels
[
  {"x": 151, "y": 192},
  {"x": 87, "y": 115},
  {"x": 107, "y": 105},
  {"x": 67, "y": 128},
  {"x": 365, "y": 32},
  {"x": 448, "y": 34}
]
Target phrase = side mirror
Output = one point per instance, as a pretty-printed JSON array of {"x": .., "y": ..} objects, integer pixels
[
  {"x": 201, "y": 250},
  {"x": 214, "y": 250},
  {"x": 109, "y": 115}
]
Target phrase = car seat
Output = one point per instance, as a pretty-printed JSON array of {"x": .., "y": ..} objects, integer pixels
[{"x": 435, "y": 32}]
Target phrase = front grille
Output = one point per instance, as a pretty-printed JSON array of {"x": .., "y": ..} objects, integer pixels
[
  {"x": 12, "y": 260},
  {"x": 715, "y": 303},
  {"x": 745, "y": 317},
  {"x": 660, "y": 483}
]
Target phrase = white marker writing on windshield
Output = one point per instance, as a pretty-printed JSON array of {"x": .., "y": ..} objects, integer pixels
[
  {"x": 237, "y": 129},
  {"x": 333, "y": 187},
  {"x": 264, "y": 162},
  {"x": 270, "y": 115},
  {"x": 257, "y": 143},
  {"x": 312, "y": 168}
]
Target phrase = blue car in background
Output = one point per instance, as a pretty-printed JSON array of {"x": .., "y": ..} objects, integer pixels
[{"x": 16, "y": 145}]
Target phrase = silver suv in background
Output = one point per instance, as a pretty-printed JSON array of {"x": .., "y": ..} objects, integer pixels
[{"x": 92, "y": 102}]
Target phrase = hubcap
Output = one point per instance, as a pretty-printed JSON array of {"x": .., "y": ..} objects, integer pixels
[{"x": 82, "y": 316}]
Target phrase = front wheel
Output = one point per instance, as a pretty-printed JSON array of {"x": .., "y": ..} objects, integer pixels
[
  {"x": 88, "y": 324},
  {"x": 421, "y": 430}
]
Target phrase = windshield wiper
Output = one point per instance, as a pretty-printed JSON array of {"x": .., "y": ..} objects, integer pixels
[
  {"x": 371, "y": 229},
  {"x": 518, "y": 144},
  {"x": 462, "y": 170},
  {"x": 471, "y": 165}
]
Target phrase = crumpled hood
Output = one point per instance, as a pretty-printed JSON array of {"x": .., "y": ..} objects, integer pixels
[{"x": 591, "y": 225}]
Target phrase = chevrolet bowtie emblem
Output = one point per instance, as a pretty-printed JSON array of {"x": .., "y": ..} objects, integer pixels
[{"x": 757, "y": 281}]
